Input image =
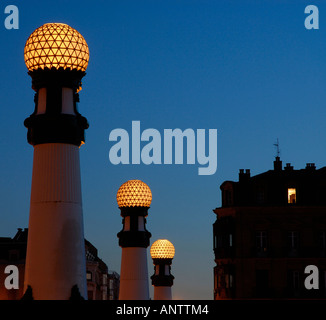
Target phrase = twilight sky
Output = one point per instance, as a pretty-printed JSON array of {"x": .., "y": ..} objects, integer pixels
[{"x": 249, "y": 69}]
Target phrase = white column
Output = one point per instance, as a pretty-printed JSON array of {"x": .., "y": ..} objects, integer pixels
[
  {"x": 162, "y": 293},
  {"x": 55, "y": 260},
  {"x": 134, "y": 274}
]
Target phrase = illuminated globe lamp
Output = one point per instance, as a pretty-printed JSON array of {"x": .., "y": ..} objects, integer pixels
[
  {"x": 162, "y": 252},
  {"x": 56, "y": 57},
  {"x": 134, "y": 198}
]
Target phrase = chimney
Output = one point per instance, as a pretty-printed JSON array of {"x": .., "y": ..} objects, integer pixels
[
  {"x": 288, "y": 167},
  {"x": 244, "y": 175},
  {"x": 277, "y": 164},
  {"x": 310, "y": 166}
]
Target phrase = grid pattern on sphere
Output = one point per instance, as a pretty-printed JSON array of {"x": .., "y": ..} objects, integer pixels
[
  {"x": 134, "y": 193},
  {"x": 162, "y": 249},
  {"x": 56, "y": 45}
]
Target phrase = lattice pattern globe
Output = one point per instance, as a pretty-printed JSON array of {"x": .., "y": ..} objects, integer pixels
[
  {"x": 56, "y": 45},
  {"x": 162, "y": 249},
  {"x": 134, "y": 193}
]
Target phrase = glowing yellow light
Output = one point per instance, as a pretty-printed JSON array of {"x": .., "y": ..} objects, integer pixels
[
  {"x": 56, "y": 45},
  {"x": 291, "y": 195},
  {"x": 134, "y": 193},
  {"x": 162, "y": 249}
]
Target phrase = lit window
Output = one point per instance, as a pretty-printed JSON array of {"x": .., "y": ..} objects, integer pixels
[
  {"x": 88, "y": 275},
  {"x": 292, "y": 195}
]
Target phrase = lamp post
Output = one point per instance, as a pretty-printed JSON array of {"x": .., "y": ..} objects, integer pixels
[
  {"x": 56, "y": 56},
  {"x": 134, "y": 198},
  {"x": 162, "y": 252}
]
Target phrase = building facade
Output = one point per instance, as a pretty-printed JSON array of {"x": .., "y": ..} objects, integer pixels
[
  {"x": 101, "y": 284},
  {"x": 269, "y": 228},
  {"x": 114, "y": 285}
]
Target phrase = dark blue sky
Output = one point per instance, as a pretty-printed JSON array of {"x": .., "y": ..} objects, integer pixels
[{"x": 249, "y": 69}]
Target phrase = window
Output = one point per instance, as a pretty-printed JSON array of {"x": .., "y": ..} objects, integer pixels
[
  {"x": 294, "y": 279},
  {"x": 89, "y": 276},
  {"x": 105, "y": 277},
  {"x": 215, "y": 241},
  {"x": 231, "y": 281},
  {"x": 261, "y": 240},
  {"x": 261, "y": 244},
  {"x": 220, "y": 242},
  {"x": 260, "y": 196},
  {"x": 292, "y": 195},
  {"x": 226, "y": 276},
  {"x": 223, "y": 240},
  {"x": 293, "y": 240}
]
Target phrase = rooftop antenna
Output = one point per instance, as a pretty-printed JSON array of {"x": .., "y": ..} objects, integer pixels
[{"x": 277, "y": 145}]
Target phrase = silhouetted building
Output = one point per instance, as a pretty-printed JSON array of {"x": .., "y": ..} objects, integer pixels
[
  {"x": 269, "y": 228},
  {"x": 13, "y": 252}
]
